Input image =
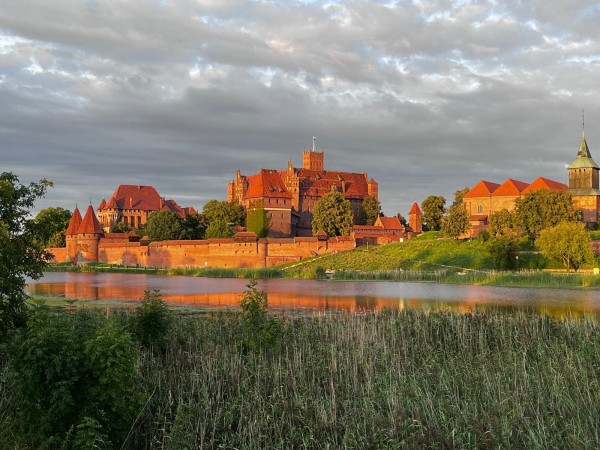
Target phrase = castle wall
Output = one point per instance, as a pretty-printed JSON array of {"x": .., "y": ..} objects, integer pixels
[
  {"x": 588, "y": 205},
  {"x": 210, "y": 253}
]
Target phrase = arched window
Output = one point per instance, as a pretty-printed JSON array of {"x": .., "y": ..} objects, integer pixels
[{"x": 479, "y": 208}]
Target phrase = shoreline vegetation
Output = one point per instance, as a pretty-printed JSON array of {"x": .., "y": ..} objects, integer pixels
[{"x": 386, "y": 379}]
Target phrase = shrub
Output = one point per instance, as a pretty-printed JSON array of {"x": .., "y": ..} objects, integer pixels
[
  {"x": 153, "y": 321},
  {"x": 73, "y": 370},
  {"x": 257, "y": 329}
]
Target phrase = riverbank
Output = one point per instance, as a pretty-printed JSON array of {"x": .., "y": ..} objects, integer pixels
[
  {"x": 389, "y": 379},
  {"x": 311, "y": 269}
]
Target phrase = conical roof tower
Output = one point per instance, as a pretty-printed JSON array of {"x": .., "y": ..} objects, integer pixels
[
  {"x": 90, "y": 224},
  {"x": 74, "y": 223},
  {"x": 584, "y": 157}
]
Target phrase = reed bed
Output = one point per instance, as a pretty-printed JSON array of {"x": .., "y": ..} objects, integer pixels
[{"x": 392, "y": 379}]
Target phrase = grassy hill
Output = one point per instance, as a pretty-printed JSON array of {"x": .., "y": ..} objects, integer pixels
[{"x": 427, "y": 252}]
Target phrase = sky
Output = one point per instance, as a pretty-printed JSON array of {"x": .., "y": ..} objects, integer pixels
[{"x": 427, "y": 97}]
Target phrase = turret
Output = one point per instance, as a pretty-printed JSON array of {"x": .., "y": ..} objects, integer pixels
[
  {"x": 415, "y": 218},
  {"x": 312, "y": 160},
  {"x": 88, "y": 236},
  {"x": 583, "y": 171},
  {"x": 71, "y": 234}
]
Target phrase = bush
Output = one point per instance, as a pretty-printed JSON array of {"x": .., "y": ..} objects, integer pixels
[
  {"x": 153, "y": 321},
  {"x": 72, "y": 371},
  {"x": 258, "y": 331}
]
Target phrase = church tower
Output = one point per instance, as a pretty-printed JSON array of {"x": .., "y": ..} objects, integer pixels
[
  {"x": 583, "y": 183},
  {"x": 415, "y": 218}
]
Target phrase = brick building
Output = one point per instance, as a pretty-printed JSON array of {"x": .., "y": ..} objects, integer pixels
[
  {"x": 289, "y": 196},
  {"x": 583, "y": 183},
  {"x": 132, "y": 204}
]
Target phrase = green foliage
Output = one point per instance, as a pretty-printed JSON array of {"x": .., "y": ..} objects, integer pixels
[
  {"x": 219, "y": 229},
  {"x": 567, "y": 242},
  {"x": 503, "y": 251},
  {"x": 543, "y": 209},
  {"x": 333, "y": 215},
  {"x": 227, "y": 212},
  {"x": 194, "y": 226},
  {"x": 121, "y": 227},
  {"x": 369, "y": 211},
  {"x": 484, "y": 235},
  {"x": 257, "y": 220},
  {"x": 89, "y": 435},
  {"x": 433, "y": 208},
  {"x": 69, "y": 367},
  {"x": 258, "y": 331},
  {"x": 456, "y": 222},
  {"x": 153, "y": 321},
  {"x": 51, "y": 223},
  {"x": 21, "y": 252},
  {"x": 503, "y": 223},
  {"x": 57, "y": 240},
  {"x": 402, "y": 219},
  {"x": 458, "y": 195},
  {"x": 164, "y": 226}
]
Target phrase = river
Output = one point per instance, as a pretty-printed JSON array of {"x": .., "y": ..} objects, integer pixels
[{"x": 319, "y": 294}]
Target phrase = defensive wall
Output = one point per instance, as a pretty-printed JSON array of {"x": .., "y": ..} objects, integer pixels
[{"x": 231, "y": 253}]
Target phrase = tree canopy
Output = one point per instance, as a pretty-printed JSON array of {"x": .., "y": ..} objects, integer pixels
[
  {"x": 369, "y": 211},
  {"x": 456, "y": 222},
  {"x": 543, "y": 209},
  {"x": 502, "y": 223},
  {"x": 52, "y": 224},
  {"x": 164, "y": 226},
  {"x": 433, "y": 210},
  {"x": 219, "y": 229},
  {"x": 228, "y": 212},
  {"x": 333, "y": 215},
  {"x": 567, "y": 242},
  {"x": 458, "y": 195},
  {"x": 21, "y": 250}
]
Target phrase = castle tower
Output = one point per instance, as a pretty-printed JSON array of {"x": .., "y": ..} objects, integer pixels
[
  {"x": 312, "y": 160},
  {"x": 583, "y": 183},
  {"x": 71, "y": 234},
  {"x": 373, "y": 188},
  {"x": 415, "y": 218},
  {"x": 88, "y": 236}
]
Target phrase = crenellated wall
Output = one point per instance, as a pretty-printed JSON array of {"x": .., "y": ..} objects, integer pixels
[{"x": 209, "y": 253}]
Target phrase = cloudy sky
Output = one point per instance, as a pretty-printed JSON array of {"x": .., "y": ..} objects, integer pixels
[{"x": 427, "y": 97}]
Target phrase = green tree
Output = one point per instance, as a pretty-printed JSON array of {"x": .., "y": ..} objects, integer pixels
[
  {"x": 567, "y": 242},
  {"x": 502, "y": 223},
  {"x": 153, "y": 321},
  {"x": 333, "y": 215},
  {"x": 543, "y": 209},
  {"x": 456, "y": 222},
  {"x": 401, "y": 219},
  {"x": 228, "y": 212},
  {"x": 52, "y": 224},
  {"x": 219, "y": 229},
  {"x": 164, "y": 226},
  {"x": 258, "y": 330},
  {"x": 121, "y": 227},
  {"x": 194, "y": 226},
  {"x": 458, "y": 195},
  {"x": 257, "y": 220},
  {"x": 433, "y": 208},
  {"x": 503, "y": 252},
  {"x": 21, "y": 252},
  {"x": 369, "y": 211}
]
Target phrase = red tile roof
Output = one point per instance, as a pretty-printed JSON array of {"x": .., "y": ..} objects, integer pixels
[
  {"x": 482, "y": 189},
  {"x": 390, "y": 223},
  {"x": 102, "y": 204},
  {"x": 415, "y": 210},
  {"x": 545, "y": 183},
  {"x": 74, "y": 223},
  {"x": 318, "y": 183},
  {"x": 144, "y": 198},
  {"x": 90, "y": 224},
  {"x": 266, "y": 183},
  {"x": 510, "y": 188}
]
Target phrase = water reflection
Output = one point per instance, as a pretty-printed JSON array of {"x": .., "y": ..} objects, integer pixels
[{"x": 342, "y": 295}]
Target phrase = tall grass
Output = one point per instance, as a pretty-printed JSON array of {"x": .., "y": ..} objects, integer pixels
[
  {"x": 392, "y": 379},
  {"x": 397, "y": 379}
]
